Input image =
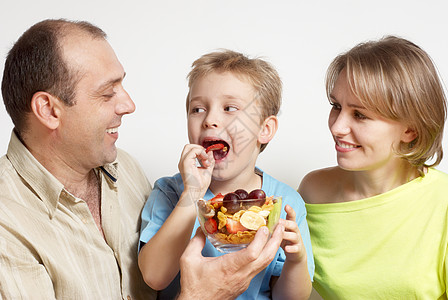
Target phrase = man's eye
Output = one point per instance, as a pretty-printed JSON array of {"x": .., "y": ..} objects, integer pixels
[
  {"x": 231, "y": 108},
  {"x": 109, "y": 95}
]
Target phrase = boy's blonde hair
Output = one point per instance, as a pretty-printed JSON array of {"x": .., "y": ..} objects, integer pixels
[
  {"x": 259, "y": 73},
  {"x": 398, "y": 80}
]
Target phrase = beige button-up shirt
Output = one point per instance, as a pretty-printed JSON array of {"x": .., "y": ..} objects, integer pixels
[{"x": 50, "y": 246}]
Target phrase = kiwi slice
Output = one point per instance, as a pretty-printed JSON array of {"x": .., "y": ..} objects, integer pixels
[{"x": 274, "y": 216}]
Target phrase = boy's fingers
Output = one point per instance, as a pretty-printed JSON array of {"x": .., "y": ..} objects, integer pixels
[
  {"x": 289, "y": 225},
  {"x": 290, "y": 213}
]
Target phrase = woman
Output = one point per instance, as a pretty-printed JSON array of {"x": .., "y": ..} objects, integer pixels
[{"x": 378, "y": 220}]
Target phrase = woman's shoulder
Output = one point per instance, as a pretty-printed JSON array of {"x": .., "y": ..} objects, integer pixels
[{"x": 321, "y": 184}]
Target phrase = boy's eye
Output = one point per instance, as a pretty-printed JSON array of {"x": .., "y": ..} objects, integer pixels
[
  {"x": 197, "y": 110},
  {"x": 230, "y": 108}
]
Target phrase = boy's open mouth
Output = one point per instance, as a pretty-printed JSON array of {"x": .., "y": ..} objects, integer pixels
[{"x": 217, "y": 154}]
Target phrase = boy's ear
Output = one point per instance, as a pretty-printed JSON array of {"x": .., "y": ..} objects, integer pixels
[
  {"x": 46, "y": 109},
  {"x": 409, "y": 135},
  {"x": 268, "y": 130}
]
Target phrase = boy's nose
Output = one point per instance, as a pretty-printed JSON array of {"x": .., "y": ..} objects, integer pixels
[
  {"x": 211, "y": 120},
  {"x": 208, "y": 124}
]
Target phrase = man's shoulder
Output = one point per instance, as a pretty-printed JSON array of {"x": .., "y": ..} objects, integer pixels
[
  {"x": 129, "y": 170},
  {"x": 124, "y": 157},
  {"x": 5, "y": 164},
  {"x": 127, "y": 164}
]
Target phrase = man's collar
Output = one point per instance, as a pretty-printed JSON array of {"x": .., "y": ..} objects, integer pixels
[{"x": 47, "y": 187}]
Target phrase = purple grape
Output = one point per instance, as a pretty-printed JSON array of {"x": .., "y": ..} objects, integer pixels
[
  {"x": 230, "y": 196},
  {"x": 258, "y": 196},
  {"x": 242, "y": 194},
  {"x": 231, "y": 202}
]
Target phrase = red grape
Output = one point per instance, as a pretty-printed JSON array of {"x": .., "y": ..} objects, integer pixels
[
  {"x": 241, "y": 193},
  {"x": 231, "y": 202}
]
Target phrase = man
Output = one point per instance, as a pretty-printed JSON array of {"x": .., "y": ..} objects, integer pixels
[
  {"x": 227, "y": 276},
  {"x": 70, "y": 201}
]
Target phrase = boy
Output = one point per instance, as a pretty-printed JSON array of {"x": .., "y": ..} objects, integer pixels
[{"x": 233, "y": 100}]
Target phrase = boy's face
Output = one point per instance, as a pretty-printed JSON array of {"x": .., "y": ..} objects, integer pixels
[{"x": 223, "y": 109}]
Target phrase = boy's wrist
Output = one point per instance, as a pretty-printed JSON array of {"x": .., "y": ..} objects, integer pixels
[
  {"x": 296, "y": 260},
  {"x": 194, "y": 193},
  {"x": 190, "y": 196}
]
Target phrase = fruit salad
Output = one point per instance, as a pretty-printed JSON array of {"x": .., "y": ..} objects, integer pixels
[{"x": 234, "y": 218}]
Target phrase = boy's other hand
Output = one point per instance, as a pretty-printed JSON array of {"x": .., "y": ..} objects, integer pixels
[{"x": 292, "y": 242}]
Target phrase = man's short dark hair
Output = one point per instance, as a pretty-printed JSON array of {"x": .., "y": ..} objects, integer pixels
[{"x": 35, "y": 63}]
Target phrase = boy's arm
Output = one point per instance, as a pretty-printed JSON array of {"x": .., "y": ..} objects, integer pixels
[
  {"x": 294, "y": 281},
  {"x": 159, "y": 258}
]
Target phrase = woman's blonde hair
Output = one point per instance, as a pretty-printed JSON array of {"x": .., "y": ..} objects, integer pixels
[
  {"x": 259, "y": 73},
  {"x": 398, "y": 80}
]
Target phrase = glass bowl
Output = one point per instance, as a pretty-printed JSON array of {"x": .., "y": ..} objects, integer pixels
[{"x": 231, "y": 225}]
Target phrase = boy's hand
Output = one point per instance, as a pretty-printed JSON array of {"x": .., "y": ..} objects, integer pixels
[
  {"x": 292, "y": 242},
  {"x": 196, "y": 178}
]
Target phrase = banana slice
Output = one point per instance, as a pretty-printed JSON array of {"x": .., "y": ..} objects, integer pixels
[{"x": 252, "y": 220}]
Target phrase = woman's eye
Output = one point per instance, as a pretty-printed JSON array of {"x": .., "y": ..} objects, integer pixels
[
  {"x": 231, "y": 108},
  {"x": 335, "y": 106},
  {"x": 359, "y": 115}
]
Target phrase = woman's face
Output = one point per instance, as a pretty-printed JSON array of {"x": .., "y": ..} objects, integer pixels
[{"x": 363, "y": 139}]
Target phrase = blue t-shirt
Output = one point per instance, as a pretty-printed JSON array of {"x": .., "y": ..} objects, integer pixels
[{"x": 164, "y": 197}]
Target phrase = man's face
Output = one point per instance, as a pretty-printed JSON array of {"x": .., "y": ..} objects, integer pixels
[{"x": 89, "y": 129}]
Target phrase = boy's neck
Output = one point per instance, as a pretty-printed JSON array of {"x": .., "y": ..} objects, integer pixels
[{"x": 250, "y": 182}]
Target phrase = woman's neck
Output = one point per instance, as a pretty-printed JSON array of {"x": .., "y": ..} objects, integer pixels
[{"x": 365, "y": 184}]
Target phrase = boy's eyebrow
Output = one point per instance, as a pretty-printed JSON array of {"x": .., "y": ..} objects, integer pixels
[{"x": 198, "y": 98}]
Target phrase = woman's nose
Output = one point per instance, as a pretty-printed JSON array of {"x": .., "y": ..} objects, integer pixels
[{"x": 338, "y": 123}]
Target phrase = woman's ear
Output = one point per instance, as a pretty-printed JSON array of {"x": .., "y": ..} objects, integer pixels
[
  {"x": 268, "y": 130},
  {"x": 409, "y": 135},
  {"x": 46, "y": 108}
]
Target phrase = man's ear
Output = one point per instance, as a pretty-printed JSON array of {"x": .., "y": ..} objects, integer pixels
[
  {"x": 409, "y": 135},
  {"x": 268, "y": 130},
  {"x": 46, "y": 108}
]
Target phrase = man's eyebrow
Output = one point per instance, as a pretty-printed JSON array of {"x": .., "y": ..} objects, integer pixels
[{"x": 112, "y": 81}]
